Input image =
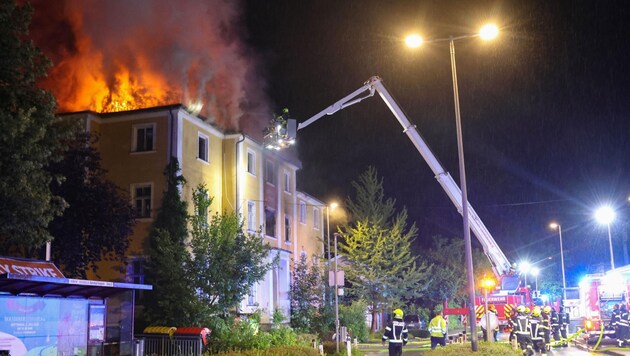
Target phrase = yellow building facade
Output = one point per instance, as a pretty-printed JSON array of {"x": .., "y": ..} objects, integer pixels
[{"x": 260, "y": 185}]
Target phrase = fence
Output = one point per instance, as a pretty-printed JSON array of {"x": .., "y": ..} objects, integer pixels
[{"x": 165, "y": 341}]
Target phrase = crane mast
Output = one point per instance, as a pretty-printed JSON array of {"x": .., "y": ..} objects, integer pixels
[{"x": 500, "y": 264}]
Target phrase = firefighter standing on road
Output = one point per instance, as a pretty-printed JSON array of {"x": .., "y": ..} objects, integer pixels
[
  {"x": 521, "y": 327},
  {"x": 537, "y": 331},
  {"x": 396, "y": 333},
  {"x": 555, "y": 324},
  {"x": 564, "y": 325},
  {"x": 546, "y": 322},
  {"x": 614, "y": 319},
  {"x": 624, "y": 327},
  {"x": 437, "y": 328}
]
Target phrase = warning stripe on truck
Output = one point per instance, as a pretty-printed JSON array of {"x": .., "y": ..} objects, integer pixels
[{"x": 479, "y": 311}]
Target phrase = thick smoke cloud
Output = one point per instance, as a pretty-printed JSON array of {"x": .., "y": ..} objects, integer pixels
[{"x": 112, "y": 55}]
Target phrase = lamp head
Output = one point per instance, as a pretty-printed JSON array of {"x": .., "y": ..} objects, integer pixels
[
  {"x": 489, "y": 32},
  {"x": 605, "y": 215},
  {"x": 414, "y": 41}
]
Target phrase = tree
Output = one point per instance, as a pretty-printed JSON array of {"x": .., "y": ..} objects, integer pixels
[
  {"x": 306, "y": 295},
  {"x": 377, "y": 245},
  {"x": 29, "y": 137},
  {"x": 226, "y": 262},
  {"x": 172, "y": 301},
  {"x": 99, "y": 219}
]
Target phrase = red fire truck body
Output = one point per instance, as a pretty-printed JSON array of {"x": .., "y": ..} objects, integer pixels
[
  {"x": 599, "y": 292},
  {"x": 504, "y": 302}
]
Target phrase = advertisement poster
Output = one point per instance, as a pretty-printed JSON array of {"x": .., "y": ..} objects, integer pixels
[{"x": 43, "y": 326}]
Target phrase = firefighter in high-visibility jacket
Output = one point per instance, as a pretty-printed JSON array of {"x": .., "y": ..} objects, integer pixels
[
  {"x": 396, "y": 333},
  {"x": 437, "y": 328},
  {"x": 555, "y": 324},
  {"x": 546, "y": 322},
  {"x": 537, "y": 331},
  {"x": 521, "y": 327}
]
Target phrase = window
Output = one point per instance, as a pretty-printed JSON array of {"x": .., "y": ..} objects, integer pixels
[
  {"x": 316, "y": 218},
  {"x": 287, "y": 229},
  {"x": 302, "y": 212},
  {"x": 142, "y": 200},
  {"x": 287, "y": 182},
  {"x": 270, "y": 223},
  {"x": 251, "y": 216},
  {"x": 270, "y": 176},
  {"x": 251, "y": 162},
  {"x": 143, "y": 137},
  {"x": 251, "y": 297},
  {"x": 202, "y": 147},
  {"x": 135, "y": 271}
]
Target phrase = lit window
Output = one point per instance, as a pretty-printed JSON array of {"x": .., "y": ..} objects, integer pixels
[
  {"x": 270, "y": 223},
  {"x": 270, "y": 176},
  {"x": 251, "y": 216},
  {"x": 202, "y": 148},
  {"x": 142, "y": 200},
  {"x": 251, "y": 162},
  {"x": 143, "y": 137},
  {"x": 316, "y": 218},
  {"x": 302, "y": 212},
  {"x": 287, "y": 229}
]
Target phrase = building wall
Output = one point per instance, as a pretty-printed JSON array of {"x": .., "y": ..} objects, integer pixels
[{"x": 235, "y": 169}]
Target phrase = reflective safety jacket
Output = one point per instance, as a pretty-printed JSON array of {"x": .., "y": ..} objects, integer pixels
[
  {"x": 521, "y": 325},
  {"x": 396, "y": 332},
  {"x": 437, "y": 326}
]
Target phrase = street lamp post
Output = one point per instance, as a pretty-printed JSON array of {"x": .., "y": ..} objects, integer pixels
[
  {"x": 605, "y": 215},
  {"x": 487, "y": 283},
  {"x": 536, "y": 272},
  {"x": 487, "y": 32},
  {"x": 336, "y": 296},
  {"x": 564, "y": 282},
  {"x": 328, "y": 207}
]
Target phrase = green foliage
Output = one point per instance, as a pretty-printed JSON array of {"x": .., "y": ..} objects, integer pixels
[
  {"x": 353, "y": 317},
  {"x": 98, "y": 220},
  {"x": 226, "y": 262},
  {"x": 172, "y": 299},
  {"x": 306, "y": 294},
  {"x": 276, "y": 351},
  {"x": 377, "y": 244},
  {"x": 324, "y": 321},
  {"x": 330, "y": 348},
  {"x": 483, "y": 349},
  {"x": 30, "y": 137}
]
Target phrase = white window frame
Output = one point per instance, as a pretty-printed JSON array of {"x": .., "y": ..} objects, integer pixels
[
  {"x": 251, "y": 165},
  {"x": 302, "y": 212},
  {"x": 270, "y": 174},
  {"x": 134, "y": 139},
  {"x": 316, "y": 222},
  {"x": 136, "y": 186},
  {"x": 251, "y": 216},
  {"x": 287, "y": 182},
  {"x": 201, "y": 136}
]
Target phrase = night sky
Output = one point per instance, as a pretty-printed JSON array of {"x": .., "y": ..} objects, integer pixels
[{"x": 544, "y": 112}]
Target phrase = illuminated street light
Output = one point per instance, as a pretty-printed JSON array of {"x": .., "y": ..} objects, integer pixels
[
  {"x": 524, "y": 269},
  {"x": 605, "y": 216},
  {"x": 413, "y": 41},
  {"x": 554, "y": 226},
  {"x": 487, "y": 32}
]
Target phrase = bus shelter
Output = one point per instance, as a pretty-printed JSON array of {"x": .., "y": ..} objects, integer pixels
[{"x": 44, "y": 313}]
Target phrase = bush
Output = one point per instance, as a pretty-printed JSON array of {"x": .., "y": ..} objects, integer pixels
[
  {"x": 283, "y": 336},
  {"x": 484, "y": 349},
  {"x": 353, "y": 317},
  {"x": 276, "y": 351},
  {"x": 330, "y": 348}
]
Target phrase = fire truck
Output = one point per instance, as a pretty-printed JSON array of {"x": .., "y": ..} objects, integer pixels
[
  {"x": 599, "y": 292},
  {"x": 509, "y": 292}
]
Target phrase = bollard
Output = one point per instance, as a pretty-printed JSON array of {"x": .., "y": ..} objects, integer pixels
[
  {"x": 314, "y": 343},
  {"x": 356, "y": 342},
  {"x": 321, "y": 349}
]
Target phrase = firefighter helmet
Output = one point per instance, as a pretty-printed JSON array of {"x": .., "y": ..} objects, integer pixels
[
  {"x": 520, "y": 309},
  {"x": 547, "y": 309},
  {"x": 398, "y": 314},
  {"x": 536, "y": 311},
  {"x": 491, "y": 307},
  {"x": 527, "y": 310}
]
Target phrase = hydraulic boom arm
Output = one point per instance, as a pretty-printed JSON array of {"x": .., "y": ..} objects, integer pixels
[{"x": 500, "y": 263}]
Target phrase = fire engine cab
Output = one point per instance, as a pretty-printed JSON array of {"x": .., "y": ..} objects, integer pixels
[{"x": 599, "y": 292}]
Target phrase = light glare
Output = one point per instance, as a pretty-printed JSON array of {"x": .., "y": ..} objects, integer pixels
[
  {"x": 489, "y": 32},
  {"x": 554, "y": 225},
  {"x": 413, "y": 41},
  {"x": 605, "y": 215}
]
